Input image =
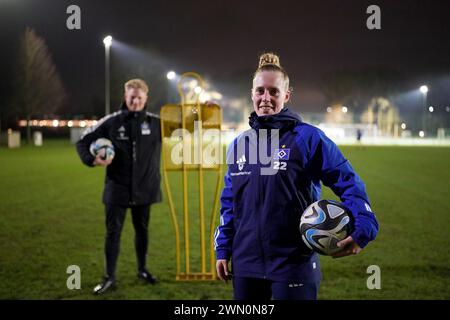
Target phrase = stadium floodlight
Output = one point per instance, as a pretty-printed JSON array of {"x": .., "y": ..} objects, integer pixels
[
  {"x": 107, "y": 41},
  {"x": 423, "y": 89},
  {"x": 421, "y": 134},
  {"x": 430, "y": 108},
  {"x": 403, "y": 126},
  {"x": 171, "y": 75}
]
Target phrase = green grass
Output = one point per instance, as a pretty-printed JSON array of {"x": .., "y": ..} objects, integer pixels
[{"x": 51, "y": 216}]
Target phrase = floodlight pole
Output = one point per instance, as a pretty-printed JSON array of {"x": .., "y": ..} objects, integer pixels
[
  {"x": 424, "y": 90},
  {"x": 171, "y": 75},
  {"x": 107, "y": 42},
  {"x": 107, "y": 94},
  {"x": 424, "y": 111}
]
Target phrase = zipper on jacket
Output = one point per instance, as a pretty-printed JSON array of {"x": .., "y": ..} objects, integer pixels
[
  {"x": 132, "y": 172},
  {"x": 263, "y": 256},
  {"x": 134, "y": 123}
]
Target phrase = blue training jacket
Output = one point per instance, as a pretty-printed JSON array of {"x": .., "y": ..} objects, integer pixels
[{"x": 260, "y": 214}]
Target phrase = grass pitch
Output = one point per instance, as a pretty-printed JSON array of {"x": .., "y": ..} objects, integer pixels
[{"x": 51, "y": 216}]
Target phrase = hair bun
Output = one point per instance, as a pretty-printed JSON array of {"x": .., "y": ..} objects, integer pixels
[{"x": 269, "y": 58}]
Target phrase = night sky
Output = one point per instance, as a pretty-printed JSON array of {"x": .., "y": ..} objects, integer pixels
[{"x": 222, "y": 40}]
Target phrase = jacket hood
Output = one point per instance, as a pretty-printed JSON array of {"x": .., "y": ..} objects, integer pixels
[{"x": 285, "y": 119}]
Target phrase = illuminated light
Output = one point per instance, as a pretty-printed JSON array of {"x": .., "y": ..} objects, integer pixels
[
  {"x": 198, "y": 90},
  {"x": 171, "y": 75},
  {"x": 430, "y": 108},
  {"x": 344, "y": 109},
  {"x": 403, "y": 126},
  {"x": 205, "y": 97},
  {"x": 107, "y": 41},
  {"x": 329, "y": 109},
  {"x": 423, "y": 89},
  {"x": 58, "y": 123},
  {"x": 421, "y": 134},
  {"x": 216, "y": 95}
]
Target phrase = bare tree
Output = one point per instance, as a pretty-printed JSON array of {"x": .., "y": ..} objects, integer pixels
[{"x": 39, "y": 87}]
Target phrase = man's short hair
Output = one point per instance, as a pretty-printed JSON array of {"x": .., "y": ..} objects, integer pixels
[{"x": 136, "y": 84}]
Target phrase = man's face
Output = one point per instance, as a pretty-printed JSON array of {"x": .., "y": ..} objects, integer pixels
[
  {"x": 269, "y": 94},
  {"x": 135, "y": 99}
]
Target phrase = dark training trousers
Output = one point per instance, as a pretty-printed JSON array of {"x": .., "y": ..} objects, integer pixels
[
  {"x": 263, "y": 289},
  {"x": 115, "y": 217}
]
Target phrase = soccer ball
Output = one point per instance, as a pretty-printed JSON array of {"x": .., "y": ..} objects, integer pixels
[
  {"x": 104, "y": 147},
  {"x": 323, "y": 224}
]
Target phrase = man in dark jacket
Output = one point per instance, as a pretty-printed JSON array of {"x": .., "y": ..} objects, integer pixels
[
  {"x": 261, "y": 209},
  {"x": 132, "y": 176}
]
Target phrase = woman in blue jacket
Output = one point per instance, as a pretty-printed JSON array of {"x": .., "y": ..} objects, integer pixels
[{"x": 260, "y": 212}]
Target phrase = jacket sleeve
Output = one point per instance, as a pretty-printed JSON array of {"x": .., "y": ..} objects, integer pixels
[
  {"x": 157, "y": 119},
  {"x": 330, "y": 166},
  {"x": 89, "y": 135},
  {"x": 223, "y": 237}
]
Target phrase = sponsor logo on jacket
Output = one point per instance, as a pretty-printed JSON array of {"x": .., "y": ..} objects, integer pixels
[
  {"x": 241, "y": 162},
  {"x": 122, "y": 133}
]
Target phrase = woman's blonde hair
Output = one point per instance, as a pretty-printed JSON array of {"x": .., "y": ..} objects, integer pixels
[{"x": 269, "y": 61}]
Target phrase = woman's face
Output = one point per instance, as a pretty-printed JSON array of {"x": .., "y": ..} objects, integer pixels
[{"x": 269, "y": 92}]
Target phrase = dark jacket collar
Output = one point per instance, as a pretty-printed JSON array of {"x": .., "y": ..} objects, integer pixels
[
  {"x": 284, "y": 120},
  {"x": 126, "y": 113}
]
